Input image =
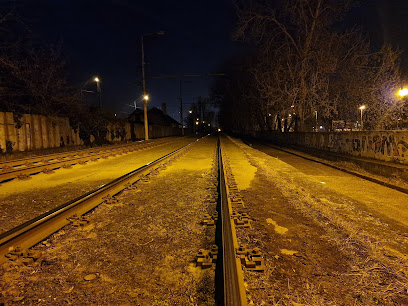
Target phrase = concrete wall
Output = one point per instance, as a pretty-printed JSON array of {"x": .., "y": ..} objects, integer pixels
[
  {"x": 41, "y": 132},
  {"x": 35, "y": 132},
  {"x": 381, "y": 145}
]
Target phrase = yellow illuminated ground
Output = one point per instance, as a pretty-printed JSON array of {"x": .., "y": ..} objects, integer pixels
[
  {"x": 139, "y": 251},
  {"x": 327, "y": 237},
  {"x": 22, "y": 200}
]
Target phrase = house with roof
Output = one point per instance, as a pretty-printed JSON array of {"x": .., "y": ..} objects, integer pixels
[{"x": 160, "y": 124}]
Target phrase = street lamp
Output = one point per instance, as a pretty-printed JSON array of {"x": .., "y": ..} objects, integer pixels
[
  {"x": 145, "y": 96},
  {"x": 403, "y": 92},
  {"x": 98, "y": 88},
  {"x": 361, "y": 108}
]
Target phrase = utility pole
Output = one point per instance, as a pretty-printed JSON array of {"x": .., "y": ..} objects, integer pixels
[
  {"x": 145, "y": 98},
  {"x": 181, "y": 109}
]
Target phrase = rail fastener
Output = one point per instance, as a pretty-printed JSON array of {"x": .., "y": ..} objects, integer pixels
[{"x": 206, "y": 258}]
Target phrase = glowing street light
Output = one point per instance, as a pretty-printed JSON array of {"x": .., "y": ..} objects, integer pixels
[
  {"x": 98, "y": 88},
  {"x": 403, "y": 92},
  {"x": 146, "y": 97},
  {"x": 361, "y": 108}
]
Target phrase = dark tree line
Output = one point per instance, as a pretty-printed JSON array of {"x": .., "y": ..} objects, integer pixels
[
  {"x": 33, "y": 75},
  {"x": 201, "y": 115},
  {"x": 34, "y": 80},
  {"x": 307, "y": 69}
]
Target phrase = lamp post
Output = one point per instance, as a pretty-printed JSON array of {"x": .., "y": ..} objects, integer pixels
[
  {"x": 361, "y": 108},
  {"x": 98, "y": 88},
  {"x": 145, "y": 96},
  {"x": 402, "y": 93}
]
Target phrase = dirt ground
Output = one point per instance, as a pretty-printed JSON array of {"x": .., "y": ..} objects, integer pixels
[
  {"x": 22, "y": 200},
  {"x": 320, "y": 247},
  {"x": 139, "y": 251}
]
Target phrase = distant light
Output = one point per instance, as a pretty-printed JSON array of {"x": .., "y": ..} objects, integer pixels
[
  {"x": 269, "y": 115},
  {"x": 219, "y": 130},
  {"x": 190, "y": 111},
  {"x": 146, "y": 97},
  {"x": 321, "y": 126},
  {"x": 197, "y": 122},
  {"x": 290, "y": 115},
  {"x": 403, "y": 92},
  {"x": 362, "y": 107},
  {"x": 198, "y": 119},
  {"x": 209, "y": 124},
  {"x": 97, "y": 80}
]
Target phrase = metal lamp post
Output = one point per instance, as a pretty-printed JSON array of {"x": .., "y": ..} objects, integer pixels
[
  {"x": 361, "y": 108},
  {"x": 98, "y": 88},
  {"x": 402, "y": 93},
  {"x": 145, "y": 96}
]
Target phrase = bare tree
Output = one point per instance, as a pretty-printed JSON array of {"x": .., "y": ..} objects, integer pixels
[
  {"x": 33, "y": 75},
  {"x": 306, "y": 66}
]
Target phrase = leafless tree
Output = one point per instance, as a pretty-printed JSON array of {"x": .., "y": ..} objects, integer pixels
[
  {"x": 306, "y": 66},
  {"x": 33, "y": 75}
]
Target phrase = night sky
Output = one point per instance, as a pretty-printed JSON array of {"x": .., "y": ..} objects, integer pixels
[{"x": 103, "y": 38}]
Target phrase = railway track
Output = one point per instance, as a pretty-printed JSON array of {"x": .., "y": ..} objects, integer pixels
[
  {"x": 23, "y": 168},
  {"x": 282, "y": 236},
  {"x": 276, "y": 242},
  {"x": 326, "y": 161},
  {"x": 15, "y": 244},
  {"x": 32, "y": 232}
]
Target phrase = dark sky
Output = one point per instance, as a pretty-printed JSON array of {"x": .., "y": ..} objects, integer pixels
[{"x": 103, "y": 38}]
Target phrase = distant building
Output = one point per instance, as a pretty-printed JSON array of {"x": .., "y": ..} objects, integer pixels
[
  {"x": 160, "y": 124},
  {"x": 155, "y": 116}
]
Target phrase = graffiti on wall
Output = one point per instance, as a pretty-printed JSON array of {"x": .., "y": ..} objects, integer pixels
[{"x": 380, "y": 145}]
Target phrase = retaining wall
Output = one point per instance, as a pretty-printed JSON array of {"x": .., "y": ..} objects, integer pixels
[
  {"x": 31, "y": 132},
  {"x": 35, "y": 132},
  {"x": 381, "y": 145}
]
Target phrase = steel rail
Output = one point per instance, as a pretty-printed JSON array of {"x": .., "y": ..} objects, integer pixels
[
  {"x": 234, "y": 289},
  {"x": 362, "y": 176},
  {"x": 41, "y": 158},
  {"x": 71, "y": 159},
  {"x": 34, "y": 231}
]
